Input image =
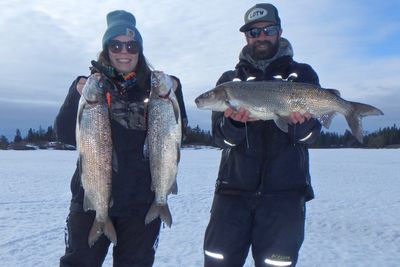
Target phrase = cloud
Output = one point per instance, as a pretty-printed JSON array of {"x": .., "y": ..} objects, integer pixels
[{"x": 353, "y": 46}]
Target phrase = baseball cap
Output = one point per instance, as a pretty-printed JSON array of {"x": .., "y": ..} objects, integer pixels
[{"x": 260, "y": 12}]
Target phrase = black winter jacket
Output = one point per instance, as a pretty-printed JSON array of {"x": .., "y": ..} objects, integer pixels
[
  {"x": 259, "y": 158},
  {"x": 131, "y": 182}
]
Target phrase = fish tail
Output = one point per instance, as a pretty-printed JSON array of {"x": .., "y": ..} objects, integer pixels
[
  {"x": 95, "y": 232},
  {"x": 355, "y": 115},
  {"x": 98, "y": 228},
  {"x": 109, "y": 231},
  {"x": 161, "y": 211}
]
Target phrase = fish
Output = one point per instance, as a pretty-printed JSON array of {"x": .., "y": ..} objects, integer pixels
[
  {"x": 164, "y": 142},
  {"x": 94, "y": 146},
  {"x": 275, "y": 100}
]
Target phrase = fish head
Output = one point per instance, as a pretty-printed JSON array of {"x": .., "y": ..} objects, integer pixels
[
  {"x": 93, "y": 90},
  {"x": 216, "y": 99},
  {"x": 161, "y": 84}
]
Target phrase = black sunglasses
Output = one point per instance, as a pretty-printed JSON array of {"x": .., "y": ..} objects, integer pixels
[
  {"x": 268, "y": 31},
  {"x": 115, "y": 46}
]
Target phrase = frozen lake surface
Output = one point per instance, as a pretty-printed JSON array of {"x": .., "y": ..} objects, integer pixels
[{"x": 353, "y": 221}]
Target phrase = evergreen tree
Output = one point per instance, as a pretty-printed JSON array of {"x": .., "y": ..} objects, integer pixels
[
  {"x": 17, "y": 137},
  {"x": 3, "y": 142},
  {"x": 31, "y": 136},
  {"x": 197, "y": 136},
  {"x": 50, "y": 135},
  {"x": 387, "y": 136}
]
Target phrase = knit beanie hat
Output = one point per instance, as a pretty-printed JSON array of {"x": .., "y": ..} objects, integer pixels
[{"x": 120, "y": 22}]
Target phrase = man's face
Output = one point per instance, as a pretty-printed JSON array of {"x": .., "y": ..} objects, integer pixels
[{"x": 263, "y": 46}]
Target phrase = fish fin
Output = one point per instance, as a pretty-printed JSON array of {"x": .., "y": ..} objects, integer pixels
[
  {"x": 95, "y": 232},
  {"x": 178, "y": 151},
  {"x": 177, "y": 111},
  {"x": 80, "y": 164},
  {"x": 98, "y": 228},
  {"x": 146, "y": 152},
  {"x": 174, "y": 188},
  {"x": 114, "y": 161},
  {"x": 326, "y": 119},
  {"x": 354, "y": 116},
  {"x": 87, "y": 204},
  {"x": 282, "y": 123},
  {"x": 334, "y": 91},
  {"x": 232, "y": 106},
  {"x": 109, "y": 231},
  {"x": 156, "y": 211}
]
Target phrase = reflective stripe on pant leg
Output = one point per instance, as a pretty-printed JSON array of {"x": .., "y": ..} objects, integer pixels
[
  {"x": 227, "y": 236},
  {"x": 280, "y": 230},
  {"x": 214, "y": 255},
  {"x": 277, "y": 262}
]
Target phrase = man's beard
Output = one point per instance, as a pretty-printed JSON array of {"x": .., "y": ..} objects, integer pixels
[{"x": 261, "y": 54}]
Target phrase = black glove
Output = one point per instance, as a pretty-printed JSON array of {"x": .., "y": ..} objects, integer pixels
[
  {"x": 108, "y": 71},
  {"x": 305, "y": 133}
]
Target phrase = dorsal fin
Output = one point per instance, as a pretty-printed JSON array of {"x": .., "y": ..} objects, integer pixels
[{"x": 334, "y": 91}]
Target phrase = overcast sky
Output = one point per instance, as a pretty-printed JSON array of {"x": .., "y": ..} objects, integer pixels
[{"x": 354, "y": 46}]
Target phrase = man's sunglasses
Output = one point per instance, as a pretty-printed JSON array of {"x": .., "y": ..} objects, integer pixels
[
  {"x": 268, "y": 31},
  {"x": 132, "y": 47}
]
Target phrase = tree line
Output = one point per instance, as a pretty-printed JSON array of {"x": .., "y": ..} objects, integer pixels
[{"x": 386, "y": 137}]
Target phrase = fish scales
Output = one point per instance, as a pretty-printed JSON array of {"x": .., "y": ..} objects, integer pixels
[
  {"x": 269, "y": 98},
  {"x": 275, "y": 100},
  {"x": 94, "y": 145},
  {"x": 164, "y": 140}
]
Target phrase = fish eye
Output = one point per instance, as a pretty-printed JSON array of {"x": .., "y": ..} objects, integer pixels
[{"x": 206, "y": 94}]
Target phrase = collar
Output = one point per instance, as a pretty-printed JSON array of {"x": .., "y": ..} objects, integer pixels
[{"x": 285, "y": 50}]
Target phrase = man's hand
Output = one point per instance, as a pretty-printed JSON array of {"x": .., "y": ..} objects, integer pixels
[
  {"x": 80, "y": 84},
  {"x": 297, "y": 117},
  {"x": 242, "y": 115}
]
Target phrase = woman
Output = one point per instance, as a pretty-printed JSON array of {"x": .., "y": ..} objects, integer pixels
[{"x": 123, "y": 63}]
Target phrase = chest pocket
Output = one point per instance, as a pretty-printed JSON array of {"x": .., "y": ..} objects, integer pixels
[{"x": 131, "y": 115}]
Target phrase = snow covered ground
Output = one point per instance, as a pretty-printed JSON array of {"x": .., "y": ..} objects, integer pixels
[{"x": 354, "y": 220}]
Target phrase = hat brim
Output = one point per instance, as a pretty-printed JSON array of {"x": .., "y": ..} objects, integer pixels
[{"x": 249, "y": 25}]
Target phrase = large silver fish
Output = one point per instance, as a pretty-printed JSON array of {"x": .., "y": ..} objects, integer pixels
[
  {"x": 275, "y": 100},
  {"x": 164, "y": 142},
  {"x": 93, "y": 139}
]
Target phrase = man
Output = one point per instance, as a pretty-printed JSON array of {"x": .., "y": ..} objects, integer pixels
[{"x": 263, "y": 181}]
